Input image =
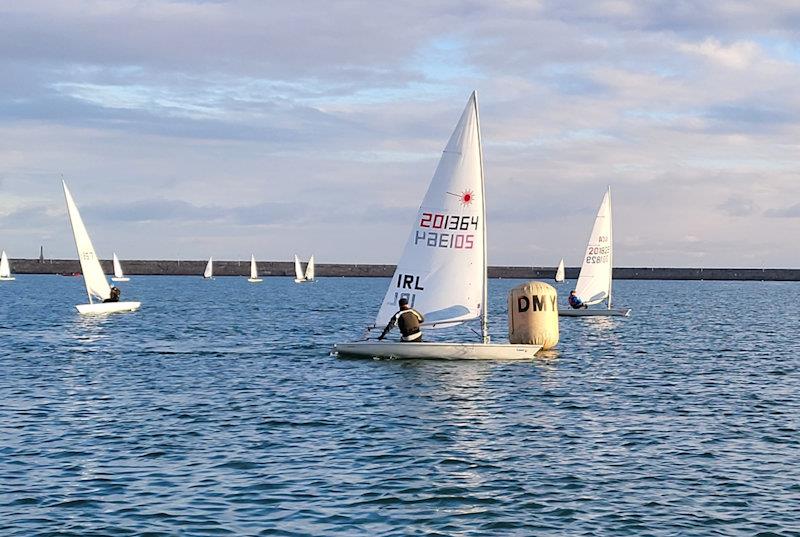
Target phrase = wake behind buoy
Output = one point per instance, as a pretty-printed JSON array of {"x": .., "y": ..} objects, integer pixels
[{"x": 533, "y": 315}]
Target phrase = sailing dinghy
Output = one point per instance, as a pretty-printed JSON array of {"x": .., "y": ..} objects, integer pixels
[
  {"x": 208, "y": 274},
  {"x": 299, "y": 275},
  {"x": 442, "y": 271},
  {"x": 96, "y": 284},
  {"x": 119, "y": 276},
  {"x": 253, "y": 271},
  {"x": 5, "y": 269},
  {"x": 594, "y": 281},
  {"x": 560, "y": 272}
]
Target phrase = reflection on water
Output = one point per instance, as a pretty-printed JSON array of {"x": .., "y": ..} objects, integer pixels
[{"x": 216, "y": 409}]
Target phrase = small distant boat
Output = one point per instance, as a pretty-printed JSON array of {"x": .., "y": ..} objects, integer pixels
[
  {"x": 442, "y": 272},
  {"x": 594, "y": 281},
  {"x": 96, "y": 284},
  {"x": 119, "y": 276},
  {"x": 253, "y": 271},
  {"x": 208, "y": 274},
  {"x": 560, "y": 272},
  {"x": 5, "y": 269},
  {"x": 299, "y": 275}
]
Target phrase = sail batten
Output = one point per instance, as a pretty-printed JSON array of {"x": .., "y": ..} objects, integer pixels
[
  {"x": 594, "y": 282},
  {"x": 93, "y": 276},
  {"x": 442, "y": 269}
]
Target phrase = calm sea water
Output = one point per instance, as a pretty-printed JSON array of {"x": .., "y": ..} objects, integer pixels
[{"x": 216, "y": 410}]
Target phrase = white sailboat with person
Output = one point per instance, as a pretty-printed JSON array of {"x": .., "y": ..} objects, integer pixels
[
  {"x": 595, "y": 279},
  {"x": 299, "y": 275},
  {"x": 96, "y": 284},
  {"x": 560, "y": 272},
  {"x": 208, "y": 274},
  {"x": 253, "y": 271},
  {"x": 442, "y": 271},
  {"x": 119, "y": 276},
  {"x": 5, "y": 269}
]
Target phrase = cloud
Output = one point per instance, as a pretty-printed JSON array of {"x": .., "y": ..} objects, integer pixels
[{"x": 318, "y": 125}]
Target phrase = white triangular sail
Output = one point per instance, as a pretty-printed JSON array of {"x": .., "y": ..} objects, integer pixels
[
  {"x": 442, "y": 271},
  {"x": 594, "y": 282},
  {"x": 298, "y": 269},
  {"x": 560, "y": 272},
  {"x": 209, "y": 272},
  {"x": 93, "y": 276},
  {"x": 310, "y": 269},
  {"x": 5, "y": 267},
  {"x": 253, "y": 268},
  {"x": 117, "y": 267}
]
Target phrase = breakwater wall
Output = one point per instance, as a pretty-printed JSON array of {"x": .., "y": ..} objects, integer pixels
[{"x": 330, "y": 270}]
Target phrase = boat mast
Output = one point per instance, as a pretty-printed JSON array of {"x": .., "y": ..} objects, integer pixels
[
  {"x": 485, "y": 312},
  {"x": 610, "y": 250}
]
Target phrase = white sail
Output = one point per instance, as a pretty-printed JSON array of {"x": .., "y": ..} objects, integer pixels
[
  {"x": 310, "y": 269},
  {"x": 117, "y": 267},
  {"x": 93, "y": 276},
  {"x": 298, "y": 269},
  {"x": 5, "y": 268},
  {"x": 209, "y": 272},
  {"x": 594, "y": 282},
  {"x": 253, "y": 268},
  {"x": 442, "y": 271},
  {"x": 560, "y": 272}
]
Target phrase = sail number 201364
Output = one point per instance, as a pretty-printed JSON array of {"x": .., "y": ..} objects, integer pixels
[{"x": 446, "y": 223}]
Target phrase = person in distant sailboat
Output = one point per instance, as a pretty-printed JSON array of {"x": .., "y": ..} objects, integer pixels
[
  {"x": 408, "y": 320},
  {"x": 575, "y": 301},
  {"x": 115, "y": 292}
]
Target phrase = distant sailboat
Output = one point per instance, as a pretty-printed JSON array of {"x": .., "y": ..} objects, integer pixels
[
  {"x": 594, "y": 281},
  {"x": 443, "y": 271},
  {"x": 5, "y": 269},
  {"x": 560, "y": 272},
  {"x": 208, "y": 274},
  {"x": 253, "y": 271},
  {"x": 96, "y": 284},
  {"x": 119, "y": 276},
  {"x": 299, "y": 275}
]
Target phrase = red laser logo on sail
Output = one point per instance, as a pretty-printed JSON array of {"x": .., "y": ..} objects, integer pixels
[{"x": 466, "y": 197}]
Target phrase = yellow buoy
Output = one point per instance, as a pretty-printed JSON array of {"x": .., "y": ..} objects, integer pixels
[{"x": 533, "y": 315}]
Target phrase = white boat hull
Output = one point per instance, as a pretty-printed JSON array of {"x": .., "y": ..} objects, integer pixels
[
  {"x": 7, "y": 279},
  {"x": 254, "y": 280},
  {"x": 120, "y": 279},
  {"x": 304, "y": 281},
  {"x": 436, "y": 351},
  {"x": 594, "y": 313},
  {"x": 107, "y": 307}
]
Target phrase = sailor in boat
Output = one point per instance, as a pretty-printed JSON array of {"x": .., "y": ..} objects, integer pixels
[
  {"x": 115, "y": 292},
  {"x": 575, "y": 301},
  {"x": 408, "y": 320}
]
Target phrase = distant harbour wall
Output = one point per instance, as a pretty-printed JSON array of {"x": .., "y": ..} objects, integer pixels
[{"x": 331, "y": 270}]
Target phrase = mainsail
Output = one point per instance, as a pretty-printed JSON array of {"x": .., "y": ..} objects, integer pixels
[
  {"x": 442, "y": 271},
  {"x": 560, "y": 272},
  {"x": 5, "y": 268},
  {"x": 93, "y": 276},
  {"x": 310, "y": 269},
  {"x": 209, "y": 272},
  {"x": 253, "y": 268},
  {"x": 117, "y": 267},
  {"x": 594, "y": 282},
  {"x": 298, "y": 269}
]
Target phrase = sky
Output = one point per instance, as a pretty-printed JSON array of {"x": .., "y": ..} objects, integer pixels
[{"x": 194, "y": 128}]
